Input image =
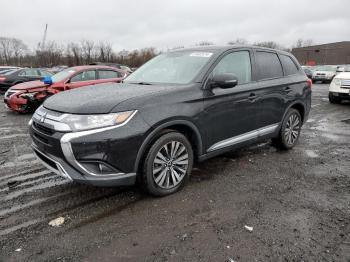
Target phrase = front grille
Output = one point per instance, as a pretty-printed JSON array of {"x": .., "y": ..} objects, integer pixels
[
  {"x": 41, "y": 138},
  {"x": 345, "y": 83},
  {"x": 44, "y": 129}
]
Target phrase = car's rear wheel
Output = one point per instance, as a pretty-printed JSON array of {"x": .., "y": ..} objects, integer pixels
[
  {"x": 290, "y": 130},
  {"x": 168, "y": 164},
  {"x": 332, "y": 99}
]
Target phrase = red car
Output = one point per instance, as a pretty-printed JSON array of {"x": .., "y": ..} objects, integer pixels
[{"x": 26, "y": 97}]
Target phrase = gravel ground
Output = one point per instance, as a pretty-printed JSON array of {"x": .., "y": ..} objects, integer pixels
[{"x": 298, "y": 203}]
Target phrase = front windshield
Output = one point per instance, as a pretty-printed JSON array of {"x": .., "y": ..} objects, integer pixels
[
  {"x": 175, "y": 67},
  {"x": 62, "y": 75}
]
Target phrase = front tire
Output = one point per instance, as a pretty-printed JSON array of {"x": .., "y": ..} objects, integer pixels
[
  {"x": 290, "y": 130},
  {"x": 168, "y": 164},
  {"x": 332, "y": 99}
]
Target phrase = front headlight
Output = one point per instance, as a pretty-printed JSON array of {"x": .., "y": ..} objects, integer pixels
[
  {"x": 86, "y": 122},
  {"x": 336, "y": 81},
  {"x": 28, "y": 95}
]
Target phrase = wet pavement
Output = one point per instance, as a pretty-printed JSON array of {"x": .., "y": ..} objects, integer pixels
[{"x": 298, "y": 203}]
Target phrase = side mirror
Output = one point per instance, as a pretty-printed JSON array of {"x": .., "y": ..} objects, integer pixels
[
  {"x": 224, "y": 81},
  {"x": 47, "y": 80}
]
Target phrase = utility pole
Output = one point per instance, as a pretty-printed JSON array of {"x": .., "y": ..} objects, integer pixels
[{"x": 42, "y": 43}]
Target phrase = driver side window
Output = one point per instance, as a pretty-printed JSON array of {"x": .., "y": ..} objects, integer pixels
[
  {"x": 236, "y": 63},
  {"x": 84, "y": 76}
]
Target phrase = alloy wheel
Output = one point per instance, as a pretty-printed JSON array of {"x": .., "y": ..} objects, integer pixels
[
  {"x": 292, "y": 129},
  {"x": 170, "y": 165}
]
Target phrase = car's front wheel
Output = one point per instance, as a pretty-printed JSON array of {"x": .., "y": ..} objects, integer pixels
[
  {"x": 168, "y": 164},
  {"x": 333, "y": 99},
  {"x": 290, "y": 130}
]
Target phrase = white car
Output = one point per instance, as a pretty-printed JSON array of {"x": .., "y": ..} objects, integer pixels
[
  {"x": 324, "y": 73},
  {"x": 339, "y": 89}
]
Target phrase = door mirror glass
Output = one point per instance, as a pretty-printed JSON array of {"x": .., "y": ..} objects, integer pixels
[{"x": 224, "y": 81}]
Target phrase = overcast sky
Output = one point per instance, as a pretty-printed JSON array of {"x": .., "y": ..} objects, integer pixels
[{"x": 132, "y": 24}]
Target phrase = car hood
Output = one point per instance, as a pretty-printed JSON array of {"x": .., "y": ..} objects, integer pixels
[
  {"x": 343, "y": 75},
  {"x": 99, "y": 99},
  {"x": 29, "y": 85}
]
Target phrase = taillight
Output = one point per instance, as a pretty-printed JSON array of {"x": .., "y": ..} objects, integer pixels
[
  {"x": 309, "y": 82},
  {"x": 2, "y": 79}
]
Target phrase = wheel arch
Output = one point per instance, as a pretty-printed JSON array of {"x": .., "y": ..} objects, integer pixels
[
  {"x": 298, "y": 105},
  {"x": 184, "y": 127}
]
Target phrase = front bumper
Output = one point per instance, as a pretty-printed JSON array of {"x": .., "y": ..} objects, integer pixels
[
  {"x": 340, "y": 95},
  {"x": 16, "y": 104},
  {"x": 67, "y": 153},
  {"x": 322, "y": 78},
  {"x": 62, "y": 168}
]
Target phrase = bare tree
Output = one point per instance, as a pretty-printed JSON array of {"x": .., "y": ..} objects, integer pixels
[
  {"x": 88, "y": 50},
  {"x": 105, "y": 52},
  {"x": 238, "y": 41},
  {"x": 6, "y": 50},
  {"x": 303, "y": 43},
  {"x": 204, "y": 43},
  {"x": 74, "y": 52},
  {"x": 12, "y": 50}
]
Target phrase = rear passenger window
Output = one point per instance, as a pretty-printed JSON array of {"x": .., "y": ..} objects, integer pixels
[
  {"x": 288, "y": 65},
  {"x": 106, "y": 74},
  {"x": 236, "y": 63},
  {"x": 269, "y": 66}
]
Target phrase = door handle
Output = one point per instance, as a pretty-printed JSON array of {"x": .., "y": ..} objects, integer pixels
[
  {"x": 252, "y": 97},
  {"x": 287, "y": 89}
]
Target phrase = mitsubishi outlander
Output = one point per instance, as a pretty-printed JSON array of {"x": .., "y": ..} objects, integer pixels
[{"x": 182, "y": 106}]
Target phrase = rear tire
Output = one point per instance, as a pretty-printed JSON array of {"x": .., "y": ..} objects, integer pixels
[
  {"x": 332, "y": 99},
  {"x": 168, "y": 164},
  {"x": 290, "y": 130}
]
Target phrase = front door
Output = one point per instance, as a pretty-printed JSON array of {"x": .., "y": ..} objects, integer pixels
[{"x": 230, "y": 115}]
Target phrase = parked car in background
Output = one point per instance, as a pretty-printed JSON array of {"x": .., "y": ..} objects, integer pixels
[
  {"x": 28, "y": 96},
  {"x": 57, "y": 69},
  {"x": 308, "y": 72},
  {"x": 339, "y": 89},
  {"x": 119, "y": 66},
  {"x": 181, "y": 106},
  {"x": 4, "y": 69},
  {"x": 22, "y": 75},
  {"x": 325, "y": 74},
  {"x": 343, "y": 68}
]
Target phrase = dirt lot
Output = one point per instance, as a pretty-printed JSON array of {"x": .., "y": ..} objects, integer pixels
[{"x": 297, "y": 202}]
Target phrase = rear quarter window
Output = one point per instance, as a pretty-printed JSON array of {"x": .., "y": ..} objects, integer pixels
[
  {"x": 289, "y": 66},
  {"x": 269, "y": 66}
]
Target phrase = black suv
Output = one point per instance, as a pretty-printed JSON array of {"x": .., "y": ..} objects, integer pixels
[{"x": 182, "y": 106}]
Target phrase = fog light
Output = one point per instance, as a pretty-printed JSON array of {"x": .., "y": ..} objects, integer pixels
[{"x": 99, "y": 168}]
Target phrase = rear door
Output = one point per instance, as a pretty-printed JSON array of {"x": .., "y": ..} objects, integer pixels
[
  {"x": 84, "y": 78},
  {"x": 231, "y": 114},
  {"x": 272, "y": 89},
  {"x": 108, "y": 75}
]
